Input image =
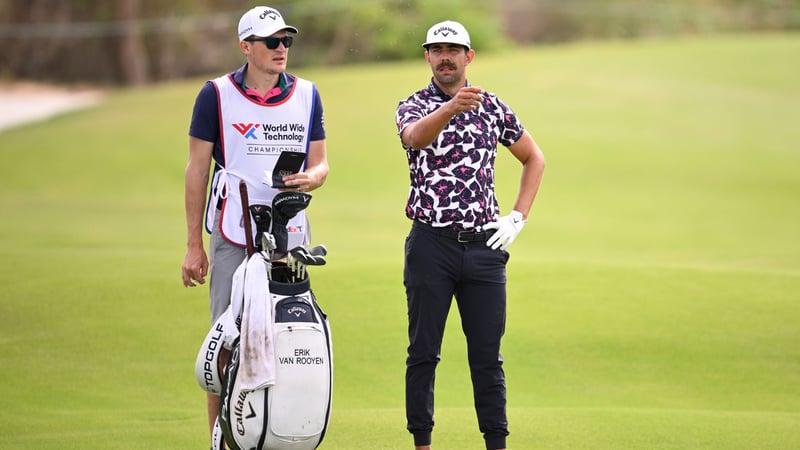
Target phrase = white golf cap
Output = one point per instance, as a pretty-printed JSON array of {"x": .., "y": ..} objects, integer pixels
[
  {"x": 262, "y": 21},
  {"x": 448, "y": 32}
]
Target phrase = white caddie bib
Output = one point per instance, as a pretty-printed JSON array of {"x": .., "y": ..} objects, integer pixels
[{"x": 253, "y": 135}]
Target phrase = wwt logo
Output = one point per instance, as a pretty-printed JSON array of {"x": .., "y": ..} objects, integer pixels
[{"x": 248, "y": 130}]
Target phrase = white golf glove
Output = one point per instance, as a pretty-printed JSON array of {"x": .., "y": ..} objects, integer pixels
[{"x": 508, "y": 227}]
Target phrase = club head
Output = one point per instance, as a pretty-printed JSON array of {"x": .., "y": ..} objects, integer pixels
[
  {"x": 267, "y": 242},
  {"x": 304, "y": 256},
  {"x": 318, "y": 250}
]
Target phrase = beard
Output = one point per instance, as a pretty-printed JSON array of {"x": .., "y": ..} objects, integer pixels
[{"x": 454, "y": 76}]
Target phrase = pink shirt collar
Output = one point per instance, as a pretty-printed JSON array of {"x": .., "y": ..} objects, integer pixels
[{"x": 270, "y": 93}]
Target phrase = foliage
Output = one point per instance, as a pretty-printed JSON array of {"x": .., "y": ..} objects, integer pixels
[
  {"x": 558, "y": 21},
  {"x": 139, "y": 41},
  {"x": 359, "y": 31}
]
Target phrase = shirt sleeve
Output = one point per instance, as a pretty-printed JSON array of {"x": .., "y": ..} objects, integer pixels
[
  {"x": 408, "y": 112},
  {"x": 318, "y": 121},
  {"x": 205, "y": 116},
  {"x": 511, "y": 128}
]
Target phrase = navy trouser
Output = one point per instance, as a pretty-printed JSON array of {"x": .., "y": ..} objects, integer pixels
[{"x": 437, "y": 268}]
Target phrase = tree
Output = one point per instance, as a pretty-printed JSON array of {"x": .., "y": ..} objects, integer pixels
[{"x": 132, "y": 56}]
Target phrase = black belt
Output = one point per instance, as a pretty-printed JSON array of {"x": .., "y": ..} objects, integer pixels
[{"x": 460, "y": 236}]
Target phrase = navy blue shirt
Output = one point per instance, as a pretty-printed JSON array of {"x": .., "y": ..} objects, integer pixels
[{"x": 205, "y": 116}]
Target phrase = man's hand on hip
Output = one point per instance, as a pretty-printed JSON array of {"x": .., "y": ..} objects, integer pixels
[{"x": 508, "y": 227}]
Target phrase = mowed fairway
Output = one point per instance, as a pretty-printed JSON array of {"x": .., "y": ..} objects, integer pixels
[{"x": 654, "y": 296}]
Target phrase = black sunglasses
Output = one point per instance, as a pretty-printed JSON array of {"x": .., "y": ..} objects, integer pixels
[{"x": 273, "y": 42}]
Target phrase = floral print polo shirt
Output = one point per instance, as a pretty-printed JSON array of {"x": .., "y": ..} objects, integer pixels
[{"x": 452, "y": 179}]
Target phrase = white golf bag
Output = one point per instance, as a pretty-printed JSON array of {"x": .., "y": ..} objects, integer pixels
[
  {"x": 294, "y": 412},
  {"x": 288, "y": 408}
]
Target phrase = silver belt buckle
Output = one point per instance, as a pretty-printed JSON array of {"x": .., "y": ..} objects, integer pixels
[{"x": 459, "y": 237}]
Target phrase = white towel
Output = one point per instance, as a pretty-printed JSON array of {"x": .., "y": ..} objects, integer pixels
[
  {"x": 256, "y": 351},
  {"x": 237, "y": 293}
]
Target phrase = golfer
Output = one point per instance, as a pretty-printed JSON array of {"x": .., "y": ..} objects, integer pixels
[
  {"x": 242, "y": 121},
  {"x": 457, "y": 243}
]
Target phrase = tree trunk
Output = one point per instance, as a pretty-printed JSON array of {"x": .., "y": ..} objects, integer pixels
[{"x": 132, "y": 56}]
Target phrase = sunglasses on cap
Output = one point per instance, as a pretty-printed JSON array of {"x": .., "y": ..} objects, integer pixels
[{"x": 273, "y": 42}]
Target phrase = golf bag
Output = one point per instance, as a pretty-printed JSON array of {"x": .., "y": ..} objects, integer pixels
[
  {"x": 288, "y": 408},
  {"x": 294, "y": 412}
]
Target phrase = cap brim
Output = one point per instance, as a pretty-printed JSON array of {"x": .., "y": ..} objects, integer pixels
[
  {"x": 286, "y": 28},
  {"x": 428, "y": 44}
]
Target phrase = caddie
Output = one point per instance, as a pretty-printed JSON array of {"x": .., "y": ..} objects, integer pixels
[{"x": 241, "y": 122}]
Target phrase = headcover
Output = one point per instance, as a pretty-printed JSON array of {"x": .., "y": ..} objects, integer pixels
[
  {"x": 286, "y": 205},
  {"x": 262, "y": 216},
  {"x": 207, "y": 368}
]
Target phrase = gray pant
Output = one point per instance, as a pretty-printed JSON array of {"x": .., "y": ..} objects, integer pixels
[{"x": 225, "y": 258}]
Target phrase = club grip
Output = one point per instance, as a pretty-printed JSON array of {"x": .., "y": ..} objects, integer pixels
[{"x": 248, "y": 227}]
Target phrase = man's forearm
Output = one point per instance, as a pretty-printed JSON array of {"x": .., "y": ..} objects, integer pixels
[
  {"x": 530, "y": 181},
  {"x": 195, "y": 199},
  {"x": 423, "y": 132}
]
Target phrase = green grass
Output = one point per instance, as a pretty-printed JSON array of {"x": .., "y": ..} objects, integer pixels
[{"x": 653, "y": 296}]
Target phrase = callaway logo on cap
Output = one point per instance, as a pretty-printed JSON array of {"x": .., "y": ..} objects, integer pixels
[
  {"x": 262, "y": 21},
  {"x": 447, "y": 32}
]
